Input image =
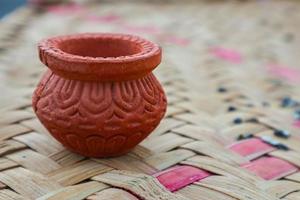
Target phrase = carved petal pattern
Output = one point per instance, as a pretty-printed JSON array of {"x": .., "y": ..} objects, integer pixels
[{"x": 99, "y": 118}]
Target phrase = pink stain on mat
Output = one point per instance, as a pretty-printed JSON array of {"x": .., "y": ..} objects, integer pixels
[
  {"x": 284, "y": 72},
  {"x": 270, "y": 168},
  {"x": 177, "y": 40},
  {"x": 65, "y": 9},
  {"x": 230, "y": 55},
  {"x": 178, "y": 177},
  {"x": 149, "y": 29},
  {"x": 109, "y": 18},
  {"x": 297, "y": 124},
  {"x": 251, "y": 148}
]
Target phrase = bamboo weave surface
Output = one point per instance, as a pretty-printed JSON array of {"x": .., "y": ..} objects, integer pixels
[{"x": 250, "y": 49}]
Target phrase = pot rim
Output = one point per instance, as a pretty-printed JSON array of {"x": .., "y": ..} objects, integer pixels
[{"x": 85, "y": 67}]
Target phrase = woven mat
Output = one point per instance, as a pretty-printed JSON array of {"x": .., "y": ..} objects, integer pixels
[{"x": 232, "y": 129}]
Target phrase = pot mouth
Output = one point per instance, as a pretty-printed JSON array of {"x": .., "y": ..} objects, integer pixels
[{"x": 100, "y": 56}]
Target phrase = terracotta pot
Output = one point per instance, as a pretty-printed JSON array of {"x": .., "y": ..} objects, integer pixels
[{"x": 99, "y": 97}]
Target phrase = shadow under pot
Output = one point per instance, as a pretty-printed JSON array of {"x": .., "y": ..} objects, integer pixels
[{"x": 99, "y": 97}]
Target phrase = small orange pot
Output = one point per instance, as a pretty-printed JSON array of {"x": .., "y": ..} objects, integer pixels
[{"x": 99, "y": 97}]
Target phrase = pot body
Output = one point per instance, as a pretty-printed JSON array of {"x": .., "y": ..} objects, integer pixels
[{"x": 99, "y": 119}]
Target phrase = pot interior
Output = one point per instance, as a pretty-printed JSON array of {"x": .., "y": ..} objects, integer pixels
[{"x": 100, "y": 47}]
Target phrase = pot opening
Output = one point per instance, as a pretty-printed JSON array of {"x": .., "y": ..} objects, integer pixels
[
  {"x": 100, "y": 56},
  {"x": 100, "y": 47}
]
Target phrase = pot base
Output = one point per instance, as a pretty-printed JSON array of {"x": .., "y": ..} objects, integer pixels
[{"x": 112, "y": 155}]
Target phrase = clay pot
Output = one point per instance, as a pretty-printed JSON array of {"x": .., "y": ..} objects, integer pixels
[{"x": 99, "y": 97}]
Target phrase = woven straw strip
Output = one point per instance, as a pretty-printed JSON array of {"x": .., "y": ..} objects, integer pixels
[{"x": 144, "y": 186}]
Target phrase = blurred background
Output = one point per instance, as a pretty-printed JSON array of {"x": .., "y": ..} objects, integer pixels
[
  {"x": 7, "y": 6},
  {"x": 247, "y": 36}
]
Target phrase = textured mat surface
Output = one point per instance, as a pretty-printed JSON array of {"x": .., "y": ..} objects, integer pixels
[{"x": 232, "y": 130}]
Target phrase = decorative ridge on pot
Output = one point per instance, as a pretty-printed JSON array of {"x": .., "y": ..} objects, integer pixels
[
  {"x": 99, "y": 97},
  {"x": 100, "y": 56}
]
